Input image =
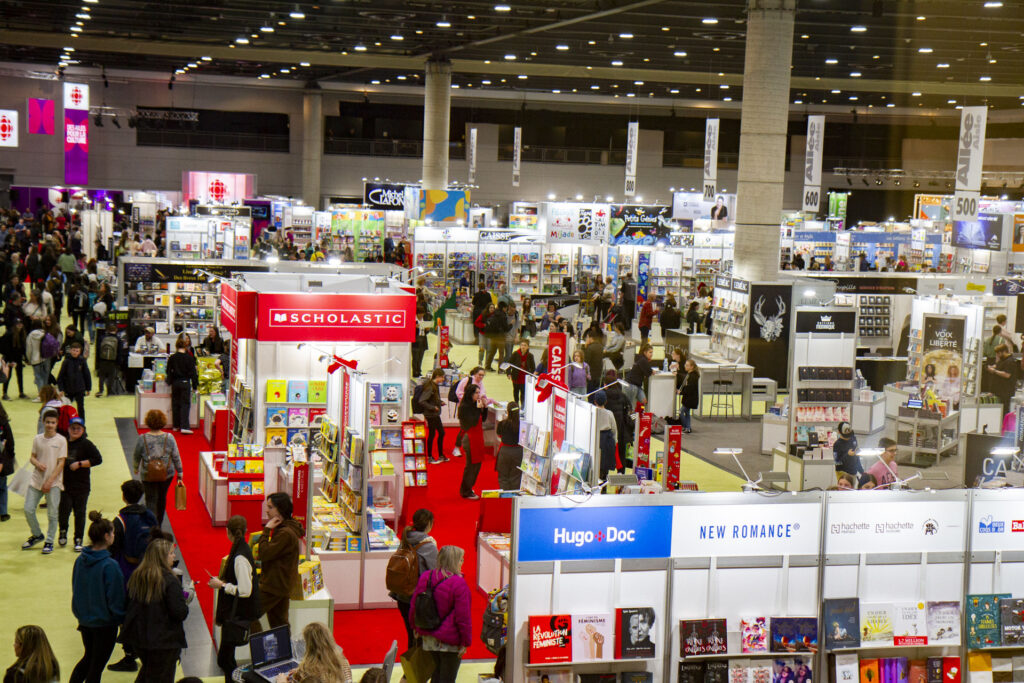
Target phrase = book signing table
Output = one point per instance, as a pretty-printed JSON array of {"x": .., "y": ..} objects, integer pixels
[{"x": 870, "y": 586}]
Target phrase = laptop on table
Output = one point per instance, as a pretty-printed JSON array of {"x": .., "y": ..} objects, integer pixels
[{"x": 271, "y": 653}]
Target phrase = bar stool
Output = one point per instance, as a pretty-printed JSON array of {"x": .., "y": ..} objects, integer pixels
[{"x": 722, "y": 388}]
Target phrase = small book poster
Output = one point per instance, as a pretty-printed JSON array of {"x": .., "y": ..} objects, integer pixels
[
  {"x": 550, "y": 639},
  {"x": 846, "y": 668},
  {"x": 297, "y": 391},
  {"x": 298, "y": 417},
  {"x": 374, "y": 413},
  {"x": 276, "y": 417},
  {"x": 917, "y": 672},
  {"x": 794, "y": 634},
  {"x": 392, "y": 393},
  {"x": 637, "y": 676},
  {"x": 317, "y": 417},
  {"x": 876, "y": 623},
  {"x": 277, "y": 437},
  {"x": 316, "y": 391},
  {"x": 909, "y": 624},
  {"x": 754, "y": 634},
  {"x": 691, "y": 672},
  {"x": 943, "y": 623},
  {"x": 716, "y": 671},
  {"x": 375, "y": 393},
  {"x": 392, "y": 416},
  {"x": 842, "y": 623},
  {"x": 593, "y": 637},
  {"x": 869, "y": 672},
  {"x": 1011, "y": 614},
  {"x": 550, "y": 676},
  {"x": 983, "y": 619},
  {"x": 739, "y": 671},
  {"x": 634, "y": 627},
  {"x": 277, "y": 391},
  {"x": 298, "y": 436}
]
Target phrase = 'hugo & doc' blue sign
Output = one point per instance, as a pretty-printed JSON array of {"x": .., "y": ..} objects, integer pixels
[{"x": 547, "y": 534}]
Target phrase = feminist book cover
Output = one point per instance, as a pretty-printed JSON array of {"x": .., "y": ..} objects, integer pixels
[
  {"x": 550, "y": 639},
  {"x": 634, "y": 628},
  {"x": 842, "y": 623},
  {"x": 593, "y": 637}
]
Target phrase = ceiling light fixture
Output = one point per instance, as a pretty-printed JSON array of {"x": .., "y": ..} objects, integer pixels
[
  {"x": 443, "y": 23},
  {"x": 985, "y": 78},
  {"x": 502, "y": 8},
  {"x": 510, "y": 57},
  {"x": 242, "y": 41},
  {"x": 915, "y": 94},
  {"x": 921, "y": 18},
  {"x": 83, "y": 16},
  {"x": 617, "y": 62},
  {"x": 925, "y": 50},
  {"x": 522, "y": 77},
  {"x": 206, "y": 59},
  {"x": 303, "y": 63},
  {"x": 266, "y": 29},
  {"x": 831, "y": 60},
  {"x": 993, "y": 4},
  {"x": 625, "y": 36},
  {"x": 360, "y": 48},
  {"x": 562, "y": 48},
  {"x": 709, "y": 20},
  {"x": 76, "y": 29},
  {"x": 397, "y": 36},
  {"x": 679, "y": 53},
  {"x": 942, "y": 65},
  {"x": 297, "y": 13},
  {"x": 858, "y": 29},
  {"x": 854, "y": 74}
]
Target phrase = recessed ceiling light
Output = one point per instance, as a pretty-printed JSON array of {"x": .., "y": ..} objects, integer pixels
[
  {"x": 858, "y": 29},
  {"x": 679, "y": 53},
  {"x": 942, "y": 65},
  {"x": 206, "y": 59},
  {"x": 924, "y": 50},
  {"x": 307, "y": 64},
  {"x": 69, "y": 49},
  {"x": 595, "y": 87},
  {"x": 992, "y": 61},
  {"x": 836, "y": 92},
  {"x": 378, "y": 83},
  {"x": 360, "y": 48},
  {"x": 638, "y": 82},
  {"x": 950, "y": 101},
  {"x": 626, "y": 36},
  {"x": 533, "y": 54},
  {"x": 724, "y": 86},
  {"x": 502, "y": 8},
  {"x": 556, "y": 92},
  {"x": 91, "y": 2},
  {"x": 698, "y": 89},
  {"x": 709, "y": 20},
  {"x": 84, "y": 16},
  {"x": 563, "y": 48},
  {"x": 915, "y": 94},
  {"x": 78, "y": 23},
  {"x": 727, "y": 99},
  {"x": 805, "y": 36},
  {"x": 485, "y": 82},
  {"x": 617, "y": 62},
  {"x": 985, "y": 78},
  {"x": 992, "y": 4},
  {"x": 76, "y": 29},
  {"x": 419, "y": 32},
  {"x": 193, "y": 65},
  {"x": 254, "y": 35},
  {"x": 266, "y": 29},
  {"x": 471, "y": 16},
  {"x": 674, "y": 91},
  {"x": 283, "y": 71},
  {"x": 798, "y": 101},
  {"x": 665, "y": 28},
  {"x": 854, "y": 74},
  {"x": 510, "y": 57},
  {"x": 443, "y": 23},
  {"x": 890, "y": 105},
  {"x": 982, "y": 44},
  {"x": 522, "y": 77},
  {"x": 397, "y": 36},
  {"x": 297, "y": 15},
  {"x": 853, "y": 98},
  {"x": 629, "y": 94},
  {"x": 921, "y": 17},
  {"x": 591, "y": 42},
  {"x": 831, "y": 60}
]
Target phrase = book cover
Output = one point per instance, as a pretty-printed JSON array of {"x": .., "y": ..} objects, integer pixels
[
  {"x": 550, "y": 676},
  {"x": 390, "y": 438},
  {"x": 550, "y": 638},
  {"x": 869, "y": 672},
  {"x": 909, "y": 624},
  {"x": 298, "y": 417},
  {"x": 760, "y": 671},
  {"x": 794, "y": 634},
  {"x": 983, "y": 620},
  {"x": 392, "y": 393},
  {"x": 981, "y": 667},
  {"x": 374, "y": 412},
  {"x": 917, "y": 671},
  {"x": 277, "y": 391},
  {"x": 951, "y": 670},
  {"x": 943, "y": 623},
  {"x": 317, "y": 417},
  {"x": 316, "y": 391},
  {"x": 298, "y": 436},
  {"x": 783, "y": 671},
  {"x": 739, "y": 671},
  {"x": 297, "y": 391},
  {"x": 1011, "y": 616},
  {"x": 598, "y": 678},
  {"x": 803, "y": 669},
  {"x": 391, "y": 415},
  {"x": 754, "y": 634},
  {"x": 690, "y": 640},
  {"x": 846, "y": 668},
  {"x": 894, "y": 669},
  {"x": 276, "y": 417},
  {"x": 634, "y": 628},
  {"x": 876, "y": 623},
  {"x": 375, "y": 393},
  {"x": 637, "y": 676},
  {"x": 842, "y": 623},
  {"x": 716, "y": 671},
  {"x": 933, "y": 669},
  {"x": 691, "y": 672},
  {"x": 277, "y": 437}
]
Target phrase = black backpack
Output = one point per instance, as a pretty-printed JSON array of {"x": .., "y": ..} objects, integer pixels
[
  {"x": 416, "y": 393},
  {"x": 427, "y": 616},
  {"x": 452, "y": 396},
  {"x": 496, "y": 324}
]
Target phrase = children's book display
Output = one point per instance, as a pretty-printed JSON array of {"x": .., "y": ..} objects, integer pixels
[
  {"x": 414, "y": 442},
  {"x": 243, "y": 465},
  {"x": 292, "y": 411},
  {"x": 626, "y": 634},
  {"x": 536, "y": 464},
  {"x": 243, "y": 424},
  {"x": 986, "y": 626}
]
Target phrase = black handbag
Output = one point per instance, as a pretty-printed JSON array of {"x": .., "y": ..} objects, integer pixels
[{"x": 235, "y": 630}]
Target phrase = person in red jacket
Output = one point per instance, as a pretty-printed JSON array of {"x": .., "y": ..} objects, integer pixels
[
  {"x": 448, "y": 642},
  {"x": 521, "y": 360},
  {"x": 646, "y": 318}
]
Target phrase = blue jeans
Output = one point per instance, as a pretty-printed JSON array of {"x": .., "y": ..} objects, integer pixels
[
  {"x": 32, "y": 499},
  {"x": 684, "y": 416},
  {"x": 3, "y": 494},
  {"x": 41, "y": 374}
]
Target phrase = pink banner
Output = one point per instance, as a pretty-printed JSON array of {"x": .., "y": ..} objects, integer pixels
[
  {"x": 40, "y": 116},
  {"x": 76, "y": 147}
]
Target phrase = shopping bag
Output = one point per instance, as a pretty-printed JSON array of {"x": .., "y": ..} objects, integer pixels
[
  {"x": 418, "y": 665},
  {"x": 20, "y": 481},
  {"x": 179, "y": 496}
]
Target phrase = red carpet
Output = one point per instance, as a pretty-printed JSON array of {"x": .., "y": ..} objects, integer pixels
[{"x": 364, "y": 635}]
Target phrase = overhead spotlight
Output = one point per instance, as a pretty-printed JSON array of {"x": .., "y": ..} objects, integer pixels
[
  {"x": 98, "y": 120},
  {"x": 113, "y": 120},
  {"x": 878, "y": 181},
  {"x": 849, "y": 181},
  {"x": 917, "y": 184},
  {"x": 864, "y": 179},
  {"x": 896, "y": 182}
]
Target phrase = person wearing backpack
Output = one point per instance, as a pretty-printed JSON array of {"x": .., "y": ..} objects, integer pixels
[
  {"x": 108, "y": 350},
  {"x": 416, "y": 556},
  {"x": 429, "y": 404},
  {"x": 156, "y": 460},
  {"x": 440, "y": 613}
]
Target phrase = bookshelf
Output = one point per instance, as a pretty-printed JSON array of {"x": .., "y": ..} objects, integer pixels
[
  {"x": 555, "y": 267},
  {"x": 414, "y": 452},
  {"x": 244, "y": 469},
  {"x": 536, "y": 465},
  {"x": 172, "y": 307},
  {"x": 494, "y": 265},
  {"x": 730, "y": 306},
  {"x": 524, "y": 277}
]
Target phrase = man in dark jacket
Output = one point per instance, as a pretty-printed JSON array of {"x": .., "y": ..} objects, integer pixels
[
  {"x": 495, "y": 329},
  {"x": 108, "y": 358},
  {"x": 637, "y": 376},
  {"x": 616, "y": 403},
  {"x": 82, "y": 457},
  {"x": 184, "y": 379},
  {"x": 593, "y": 355},
  {"x": 74, "y": 378},
  {"x": 481, "y": 300}
]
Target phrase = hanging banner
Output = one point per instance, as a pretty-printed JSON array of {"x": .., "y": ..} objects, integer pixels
[
  {"x": 8, "y": 128},
  {"x": 472, "y": 156},
  {"x": 444, "y": 206},
  {"x": 444, "y": 346},
  {"x": 812, "y": 162},
  {"x": 711, "y": 159},
  {"x": 643, "y": 447},
  {"x": 557, "y": 354},
  {"x": 632, "y": 140},
  {"x": 76, "y": 147},
  {"x": 969, "y": 161},
  {"x": 612, "y": 266},
  {"x": 76, "y": 97},
  {"x": 942, "y": 356},
  {"x": 387, "y": 196},
  {"x": 639, "y": 225},
  {"x": 517, "y": 151},
  {"x": 983, "y": 232},
  {"x": 643, "y": 267},
  {"x": 768, "y": 331},
  {"x": 1018, "y": 232},
  {"x": 41, "y": 117},
  {"x": 672, "y": 457}
]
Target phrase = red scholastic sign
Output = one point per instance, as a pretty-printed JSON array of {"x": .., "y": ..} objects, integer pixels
[
  {"x": 444, "y": 346},
  {"x": 672, "y": 457},
  {"x": 557, "y": 354},
  {"x": 238, "y": 312},
  {"x": 371, "y": 318},
  {"x": 644, "y": 439},
  {"x": 558, "y": 417}
]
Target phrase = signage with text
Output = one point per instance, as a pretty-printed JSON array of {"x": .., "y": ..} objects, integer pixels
[
  {"x": 387, "y": 196},
  {"x": 997, "y": 520},
  {"x": 831, "y": 322},
  {"x": 894, "y": 526},
  {"x": 632, "y": 139},
  {"x": 517, "y": 154},
  {"x": 720, "y": 530},
  {"x": 985, "y": 231},
  {"x": 336, "y": 317},
  {"x": 812, "y": 163},
  {"x": 711, "y": 159},
  {"x": 594, "y": 533},
  {"x": 76, "y": 146},
  {"x": 559, "y": 418},
  {"x": 969, "y": 161}
]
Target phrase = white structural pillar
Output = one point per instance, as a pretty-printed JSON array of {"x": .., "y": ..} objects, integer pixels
[
  {"x": 436, "y": 122},
  {"x": 312, "y": 145},
  {"x": 762, "y": 167}
]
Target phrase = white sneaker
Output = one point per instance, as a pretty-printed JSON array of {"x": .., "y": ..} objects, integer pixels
[
  {"x": 186, "y": 431},
  {"x": 457, "y": 452},
  {"x": 37, "y": 400}
]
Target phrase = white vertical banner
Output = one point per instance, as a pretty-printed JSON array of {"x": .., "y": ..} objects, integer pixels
[
  {"x": 472, "y": 156},
  {"x": 711, "y": 159},
  {"x": 8, "y": 127},
  {"x": 632, "y": 139},
  {"x": 969, "y": 160},
  {"x": 517, "y": 150},
  {"x": 76, "y": 96},
  {"x": 812, "y": 162}
]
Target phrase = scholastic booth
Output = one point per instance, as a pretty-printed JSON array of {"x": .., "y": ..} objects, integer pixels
[{"x": 318, "y": 408}]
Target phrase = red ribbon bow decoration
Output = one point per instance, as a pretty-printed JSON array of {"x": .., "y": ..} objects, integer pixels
[
  {"x": 545, "y": 383},
  {"x": 338, "y": 361}
]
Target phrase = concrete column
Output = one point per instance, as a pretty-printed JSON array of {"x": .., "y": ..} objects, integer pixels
[
  {"x": 312, "y": 145},
  {"x": 436, "y": 121},
  {"x": 762, "y": 167}
]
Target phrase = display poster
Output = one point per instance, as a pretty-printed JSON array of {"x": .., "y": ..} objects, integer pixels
[
  {"x": 997, "y": 520},
  {"x": 711, "y": 128},
  {"x": 768, "y": 331},
  {"x": 1018, "y": 232},
  {"x": 644, "y": 438},
  {"x": 8, "y": 128},
  {"x": 673, "y": 455},
  {"x": 148, "y": 271},
  {"x": 576, "y": 223},
  {"x": 471, "y": 154},
  {"x": 444, "y": 206},
  {"x": 444, "y": 346},
  {"x": 632, "y": 141},
  {"x": 76, "y": 147},
  {"x": 300, "y": 492},
  {"x": 211, "y": 187},
  {"x": 812, "y": 162},
  {"x": 41, "y": 116},
  {"x": 76, "y": 96},
  {"x": 984, "y": 232},
  {"x": 829, "y": 322},
  {"x": 238, "y": 312},
  {"x": 387, "y": 196},
  {"x": 524, "y": 216},
  {"x": 942, "y": 349},
  {"x": 746, "y": 530},
  {"x": 888, "y": 526},
  {"x": 517, "y": 154},
  {"x": 559, "y": 410},
  {"x": 612, "y": 266},
  {"x": 346, "y": 399},
  {"x": 557, "y": 350},
  {"x": 837, "y": 202},
  {"x": 643, "y": 268},
  {"x": 593, "y": 533},
  {"x": 305, "y": 317},
  {"x": 692, "y": 206},
  {"x": 639, "y": 225},
  {"x": 969, "y": 161}
]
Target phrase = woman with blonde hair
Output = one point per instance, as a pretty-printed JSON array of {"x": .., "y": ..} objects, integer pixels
[
  {"x": 157, "y": 609},
  {"x": 449, "y": 640},
  {"x": 323, "y": 661},
  {"x": 35, "y": 661}
]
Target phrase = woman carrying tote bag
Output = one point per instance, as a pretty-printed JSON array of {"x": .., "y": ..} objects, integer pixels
[{"x": 156, "y": 460}]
